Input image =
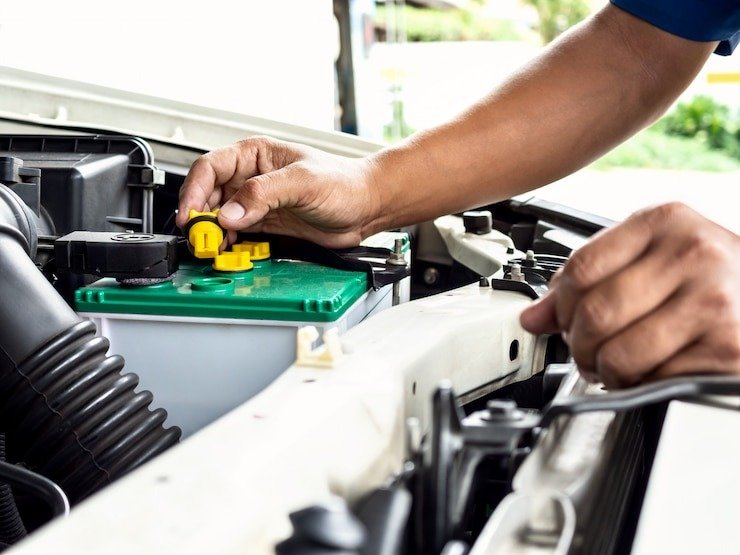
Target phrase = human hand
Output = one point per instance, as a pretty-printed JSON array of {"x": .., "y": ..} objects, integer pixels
[
  {"x": 265, "y": 185},
  {"x": 655, "y": 296}
]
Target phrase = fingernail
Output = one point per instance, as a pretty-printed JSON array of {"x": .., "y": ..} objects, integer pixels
[{"x": 232, "y": 211}]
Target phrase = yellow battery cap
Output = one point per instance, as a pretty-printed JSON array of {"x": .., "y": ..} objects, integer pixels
[
  {"x": 229, "y": 261},
  {"x": 204, "y": 233},
  {"x": 256, "y": 250}
]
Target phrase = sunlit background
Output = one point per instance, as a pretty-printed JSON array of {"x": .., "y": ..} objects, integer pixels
[{"x": 378, "y": 69}]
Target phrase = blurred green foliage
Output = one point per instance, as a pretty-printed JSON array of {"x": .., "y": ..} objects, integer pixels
[
  {"x": 428, "y": 25},
  {"x": 398, "y": 128},
  {"x": 700, "y": 135},
  {"x": 655, "y": 150},
  {"x": 706, "y": 120},
  {"x": 556, "y": 16}
]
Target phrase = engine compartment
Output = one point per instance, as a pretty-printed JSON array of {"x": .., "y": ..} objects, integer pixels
[
  {"x": 109, "y": 184},
  {"x": 405, "y": 430}
]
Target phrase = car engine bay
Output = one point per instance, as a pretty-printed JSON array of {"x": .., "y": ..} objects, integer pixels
[{"x": 291, "y": 398}]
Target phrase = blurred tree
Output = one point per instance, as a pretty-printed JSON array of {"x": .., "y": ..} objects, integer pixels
[
  {"x": 558, "y": 15},
  {"x": 706, "y": 119}
]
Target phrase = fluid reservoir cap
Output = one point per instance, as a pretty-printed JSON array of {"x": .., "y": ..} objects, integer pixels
[{"x": 479, "y": 222}]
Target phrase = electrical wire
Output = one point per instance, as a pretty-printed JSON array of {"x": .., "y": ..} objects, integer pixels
[
  {"x": 30, "y": 482},
  {"x": 685, "y": 387}
]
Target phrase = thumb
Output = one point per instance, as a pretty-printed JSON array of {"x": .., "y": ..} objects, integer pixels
[
  {"x": 540, "y": 317},
  {"x": 257, "y": 197}
]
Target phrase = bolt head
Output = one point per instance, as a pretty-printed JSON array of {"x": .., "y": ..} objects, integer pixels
[
  {"x": 498, "y": 410},
  {"x": 431, "y": 276},
  {"x": 501, "y": 406}
]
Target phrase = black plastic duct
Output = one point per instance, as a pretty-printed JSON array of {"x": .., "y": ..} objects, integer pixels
[{"x": 67, "y": 410}]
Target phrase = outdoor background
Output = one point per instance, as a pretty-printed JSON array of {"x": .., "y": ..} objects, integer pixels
[
  {"x": 438, "y": 57},
  {"x": 415, "y": 64}
]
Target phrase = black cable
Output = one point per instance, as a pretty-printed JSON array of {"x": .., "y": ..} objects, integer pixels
[
  {"x": 45, "y": 489},
  {"x": 636, "y": 397},
  {"x": 12, "y": 528}
]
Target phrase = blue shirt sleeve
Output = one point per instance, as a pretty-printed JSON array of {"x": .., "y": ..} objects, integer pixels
[{"x": 699, "y": 20}]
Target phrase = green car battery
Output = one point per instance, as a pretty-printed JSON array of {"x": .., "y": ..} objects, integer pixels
[{"x": 206, "y": 341}]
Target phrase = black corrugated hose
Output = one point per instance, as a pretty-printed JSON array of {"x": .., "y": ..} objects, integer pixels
[
  {"x": 67, "y": 410},
  {"x": 77, "y": 419}
]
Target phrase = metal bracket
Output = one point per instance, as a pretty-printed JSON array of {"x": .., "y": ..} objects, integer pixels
[
  {"x": 459, "y": 444},
  {"x": 25, "y": 182}
]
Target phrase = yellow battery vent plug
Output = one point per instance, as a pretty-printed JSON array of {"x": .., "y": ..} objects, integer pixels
[
  {"x": 204, "y": 233},
  {"x": 256, "y": 250},
  {"x": 239, "y": 258},
  {"x": 230, "y": 261}
]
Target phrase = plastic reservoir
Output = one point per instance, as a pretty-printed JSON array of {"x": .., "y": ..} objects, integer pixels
[{"x": 207, "y": 341}]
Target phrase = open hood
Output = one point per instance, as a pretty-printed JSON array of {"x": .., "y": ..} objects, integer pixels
[{"x": 32, "y": 99}]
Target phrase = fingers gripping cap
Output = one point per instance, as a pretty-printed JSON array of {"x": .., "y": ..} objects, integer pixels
[{"x": 204, "y": 233}]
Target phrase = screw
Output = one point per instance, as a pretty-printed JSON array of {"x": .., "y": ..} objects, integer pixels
[
  {"x": 431, "y": 276},
  {"x": 398, "y": 252},
  {"x": 396, "y": 258},
  {"x": 529, "y": 260},
  {"x": 501, "y": 406},
  {"x": 498, "y": 410},
  {"x": 516, "y": 273}
]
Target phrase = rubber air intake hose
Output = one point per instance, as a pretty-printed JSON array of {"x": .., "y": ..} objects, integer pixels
[{"x": 67, "y": 410}]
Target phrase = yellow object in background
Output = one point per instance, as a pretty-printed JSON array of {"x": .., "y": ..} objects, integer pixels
[
  {"x": 205, "y": 236},
  {"x": 256, "y": 250},
  {"x": 229, "y": 261},
  {"x": 726, "y": 77}
]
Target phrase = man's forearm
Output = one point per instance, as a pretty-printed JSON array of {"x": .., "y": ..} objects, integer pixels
[{"x": 590, "y": 90}]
